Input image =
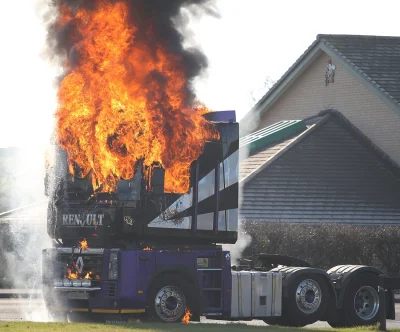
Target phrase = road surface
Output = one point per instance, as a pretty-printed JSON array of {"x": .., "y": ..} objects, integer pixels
[{"x": 33, "y": 310}]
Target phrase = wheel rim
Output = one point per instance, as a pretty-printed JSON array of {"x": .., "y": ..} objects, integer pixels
[
  {"x": 308, "y": 296},
  {"x": 170, "y": 303},
  {"x": 366, "y": 302}
]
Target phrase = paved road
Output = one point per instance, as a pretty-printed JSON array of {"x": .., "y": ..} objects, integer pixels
[
  {"x": 22, "y": 309},
  {"x": 33, "y": 310}
]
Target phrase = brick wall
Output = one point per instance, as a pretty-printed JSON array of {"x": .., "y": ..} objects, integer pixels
[{"x": 348, "y": 95}]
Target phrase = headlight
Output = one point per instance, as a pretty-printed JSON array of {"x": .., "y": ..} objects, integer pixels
[
  {"x": 77, "y": 283},
  {"x": 113, "y": 266},
  {"x": 67, "y": 283},
  {"x": 86, "y": 283},
  {"x": 58, "y": 283}
]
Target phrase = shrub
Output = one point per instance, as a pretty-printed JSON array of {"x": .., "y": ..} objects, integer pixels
[{"x": 328, "y": 245}]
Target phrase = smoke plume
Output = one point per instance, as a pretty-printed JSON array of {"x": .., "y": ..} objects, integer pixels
[
  {"x": 157, "y": 23},
  {"x": 127, "y": 90},
  {"x": 244, "y": 239}
]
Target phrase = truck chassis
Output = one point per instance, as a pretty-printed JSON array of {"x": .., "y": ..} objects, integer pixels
[{"x": 164, "y": 284}]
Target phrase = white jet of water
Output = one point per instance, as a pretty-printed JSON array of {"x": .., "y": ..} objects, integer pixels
[
  {"x": 28, "y": 233},
  {"x": 244, "y": 239}
]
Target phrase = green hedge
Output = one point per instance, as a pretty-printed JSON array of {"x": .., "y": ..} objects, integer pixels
[{"x": 328, "y": 245}]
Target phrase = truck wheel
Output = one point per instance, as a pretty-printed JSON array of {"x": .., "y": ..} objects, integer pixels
[
  {"x": 169, "y": 297},
  {"x": 308, "y": 299},
  {"x": 360, "y": 302},
  {"x": 274, "y": 321}
]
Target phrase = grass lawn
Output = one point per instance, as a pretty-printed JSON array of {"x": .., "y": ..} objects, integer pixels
[{"x": 73, "y": 327}]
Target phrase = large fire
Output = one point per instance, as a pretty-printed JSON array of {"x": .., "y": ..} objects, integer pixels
[{"x": 122, "y": 102}]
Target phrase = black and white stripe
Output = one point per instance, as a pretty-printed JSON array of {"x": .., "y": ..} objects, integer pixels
[{"x": 182, "y": 208}]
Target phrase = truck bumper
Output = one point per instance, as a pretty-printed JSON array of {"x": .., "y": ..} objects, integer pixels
[
  {"x": 100, "y": 311},
  {"x": 91, "y": 300}
]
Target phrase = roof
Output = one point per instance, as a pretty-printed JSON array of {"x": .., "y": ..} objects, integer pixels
[
  {"x": 377, "y": 57},
  {"x": 329, "y": 172},
  {"x": 270, "y": 134},
  {"x": 374, "y": 60},
  {"x": 254, "y": 162},
  {"x": 254, "y": 158}
]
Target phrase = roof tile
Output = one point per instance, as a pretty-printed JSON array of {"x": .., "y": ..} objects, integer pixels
[
  {"x": 375, "y": 56},
  {"x": 333, "y": 173}
]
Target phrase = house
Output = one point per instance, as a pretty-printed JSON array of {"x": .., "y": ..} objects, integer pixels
[
  {"x": 319, "y": 169},
  {"x": 359, "y": 76}
]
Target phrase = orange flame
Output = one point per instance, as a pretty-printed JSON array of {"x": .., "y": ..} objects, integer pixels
[
  {"x": 112, "y": 110},
  {"x": 72, "y": 275},
  {"x": 83, "y": 245},
  {"x": 88, "y": 275},
  {"x": 188, "y": 315},
  {"x": 147, "y": 248}
]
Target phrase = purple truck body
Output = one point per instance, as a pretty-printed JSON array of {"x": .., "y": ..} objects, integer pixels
[
  {"x": 139, "y": 268},
  {"x": 133, "y": 288}
]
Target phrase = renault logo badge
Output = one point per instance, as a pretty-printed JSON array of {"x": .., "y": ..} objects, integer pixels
[{"x": 79, "y": 264}]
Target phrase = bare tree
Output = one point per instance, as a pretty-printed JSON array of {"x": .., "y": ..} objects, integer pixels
[{"x": 257, "y": 93}]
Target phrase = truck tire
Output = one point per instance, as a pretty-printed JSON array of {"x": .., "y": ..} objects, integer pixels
[
  {"x": 308, "y": 299},
  {"x": 274, "y": 321},
  {"x": 360, "y": 302},
  {"x": 169, "y": 296}
]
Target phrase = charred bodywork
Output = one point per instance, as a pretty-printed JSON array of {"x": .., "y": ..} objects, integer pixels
[{"x": 139, "y": 212}]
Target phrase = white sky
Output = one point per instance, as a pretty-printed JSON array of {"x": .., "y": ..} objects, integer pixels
[{"x": 254, "y": 39}]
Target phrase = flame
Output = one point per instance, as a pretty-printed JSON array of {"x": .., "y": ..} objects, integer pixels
[
  {"x": 147, "y": 248},
  {"x": 186, "y": 318},
  {"x": 88, "y": 275},
  {"x": 72, "y": 275},
  {"x": 114, "y": 109},
  {"x": 83, "y": 245}
]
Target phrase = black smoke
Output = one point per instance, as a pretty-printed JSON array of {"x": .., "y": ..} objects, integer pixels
[{"x": 158, "y": 23}]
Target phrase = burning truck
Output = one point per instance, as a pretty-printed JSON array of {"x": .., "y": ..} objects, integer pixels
[
  {"x": 142, "y": 251},
  {"x": 140, "y": 213},
  {"x": 143, "y": 187}
]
